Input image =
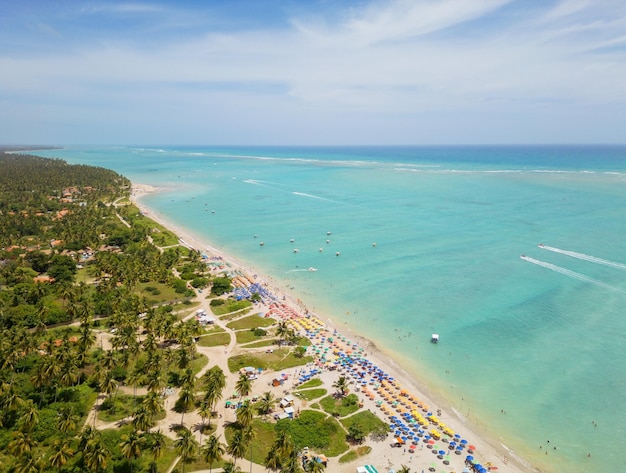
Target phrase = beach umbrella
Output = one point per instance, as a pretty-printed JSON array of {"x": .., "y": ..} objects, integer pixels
[
  {"x": 442, "y": 452},
  {"x": 463, "y": 442},
  {"x": 469, "y": 458},
  {"x": 471, "y": 447}
]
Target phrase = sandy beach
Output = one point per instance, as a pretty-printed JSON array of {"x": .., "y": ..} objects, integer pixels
[{"x": 383, "y": 456}]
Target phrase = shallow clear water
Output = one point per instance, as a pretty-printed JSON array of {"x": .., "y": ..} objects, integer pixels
[{"x": 531, "y": 349}]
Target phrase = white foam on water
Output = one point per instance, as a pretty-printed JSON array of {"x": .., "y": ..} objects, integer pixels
[
  {"x": 584, "y": 257},
  {"x": 571, "y": 274}
]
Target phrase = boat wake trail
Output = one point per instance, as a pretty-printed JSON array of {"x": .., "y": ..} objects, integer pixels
[
  {"x": 311, "y": 196},
  {"x": 571, "y": 274},
  {"x": 584, "y": 257}
]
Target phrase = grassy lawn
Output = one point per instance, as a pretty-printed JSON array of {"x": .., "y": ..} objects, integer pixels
[
  {"x": 246, "y": 336},
  {"x": 278, "y": 360},
  {"x": 231, "y": 305},
  {"x": 265, "y": 436},
  {"x": 198, "y": 363},
  {"x": 221, "y": 338},
  {"x": 317, "y": 431},
  {"x": 340, "y": 407},
  {"x": 157, "y": 293},
  {"x": 252, "y": 321},
  {"x": 310, "y": 394},
  {"x": 368, "y": 421},
  {"x": 354, "y": 454},
  {"x": 263, "y": 343},
  {"x": 118, "y": 407},
  {"x": 312, "y": 383}
]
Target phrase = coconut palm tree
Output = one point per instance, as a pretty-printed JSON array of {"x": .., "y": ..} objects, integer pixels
[
  {"x": 244, "y": 414},
  {"x": 237, "y": 446},
  {"x": 186, "y": 446},
  {"x": 21, "y": 444},
  {"x": 341, "y": 385},
  {"x": 29, "y": 464},
  {"x": 212, "y": 450},
  {"x": 96, "y": 456},
  {"x": 230, "y": 467},
  {"x": 314, "y": 466},
  {"x": 186, "y": 399},
  {"x": 130, "y": 446},
  {"x": 266, "y": 403},
  {"x": 404, "y": 469},
  {"x": 30, "y": 416},
  {"x": 243, "y": 386},
  {"x": 156, "y": 445},
  {"x": 61, "y": 454}
]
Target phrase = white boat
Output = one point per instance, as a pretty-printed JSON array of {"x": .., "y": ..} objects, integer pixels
[
  {"x": 296, "y": 250},
  {"x": 434, "y": 338},
  {"x": 312, "y": 269}
]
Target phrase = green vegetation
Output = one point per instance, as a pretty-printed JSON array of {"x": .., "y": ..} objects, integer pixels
[
  {"x": 214, "y": 340},
  {"x": 278, "y": 360},
  {"x": 263, "y": 343},
  {"x": 367, "y": 422},
  {"x": 310, "y": 394},
  {"x": 317, "y": 431},
  {"x": 311, "y": 383},
  {"x": 355, "y": 453},
  {"x": 250, "y": 322},
  {"x": 340, "y": 407},
  {"x": 231, "y": 305}
]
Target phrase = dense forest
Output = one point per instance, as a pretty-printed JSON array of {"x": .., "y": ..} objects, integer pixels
[
  {"x": 97, "y": 328},
  {"x": 71, "y": 267}
]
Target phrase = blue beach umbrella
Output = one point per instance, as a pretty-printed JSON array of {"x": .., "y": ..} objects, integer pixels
[{"x": 469, "y": 458}]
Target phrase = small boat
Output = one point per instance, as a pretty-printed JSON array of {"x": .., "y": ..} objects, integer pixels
[
  {"x": 312, "y": 269},
  {"x": 374, "y": 244},
  {"x": 327, "y": 241},
  {"x": 321, "y": 249},
  {"x": 434, "y": 338},
  {"x": 337, "y": 254},
  {"x": 296, "y": 250},
  {"x": 292, "y": 240},
  {"x": 329, "y": 233},
  {"x": 262, "y": 243}
]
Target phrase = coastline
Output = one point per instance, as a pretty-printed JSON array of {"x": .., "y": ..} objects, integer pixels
[{"x": 489, "y": 448}]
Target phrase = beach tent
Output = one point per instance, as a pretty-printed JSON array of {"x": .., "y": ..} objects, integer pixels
[{"x": 290, "y": 412}]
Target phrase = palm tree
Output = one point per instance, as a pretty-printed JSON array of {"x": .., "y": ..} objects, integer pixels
[
  {"x": 157, "y": 444},
  {"x": 404, "y": 469},
  {"x": 341, "y": 385},
  {"x": 153, "y": 403},
  {"x": 142, "y": 419},
  {"x": 266, "y": 403},
  {"x": 314, "y": 466},
  {"x": 204, "y": 411},
  {"x": 230, "y": 467},
  {"x": 237, "y": 445},
  {"x": 30, "y": 416},
  {"x": 62, "y": 452},
  {"x": 243, "y": 386},
  {"x": 130, "y": 447},
  {"x": 96, "y": 456},
  {"x": 29, "y": 464},
  {"x": 186, "y": 446},
  {"x": 213, "y": 382},
  {"x": 212, "y": 451},
  {"x": 186, "y": 399},
  {"x": 21, "y": 444},
  {"x": 66, "y": 420},
  {"x": 244, "y": 415}
]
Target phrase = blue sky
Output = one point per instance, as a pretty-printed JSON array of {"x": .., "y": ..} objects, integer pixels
[{"x": 313, "y": 72}]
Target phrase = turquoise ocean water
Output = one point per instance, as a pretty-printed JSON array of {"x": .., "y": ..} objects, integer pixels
[{"x": 531, "y": 349}]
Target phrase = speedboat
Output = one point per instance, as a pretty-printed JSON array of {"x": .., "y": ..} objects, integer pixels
[
  {"x": 312, "y": 269},
  {"x": 434, "y": 338}
]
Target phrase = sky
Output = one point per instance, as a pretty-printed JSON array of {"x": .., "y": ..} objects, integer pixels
[{"x": 312, "y": 72}]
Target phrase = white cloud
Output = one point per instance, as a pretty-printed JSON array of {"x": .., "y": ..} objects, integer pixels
[{"x": 386, "y": 61}]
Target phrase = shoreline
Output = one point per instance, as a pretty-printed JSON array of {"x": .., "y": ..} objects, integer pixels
[{"x": 490, "y": 446}]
